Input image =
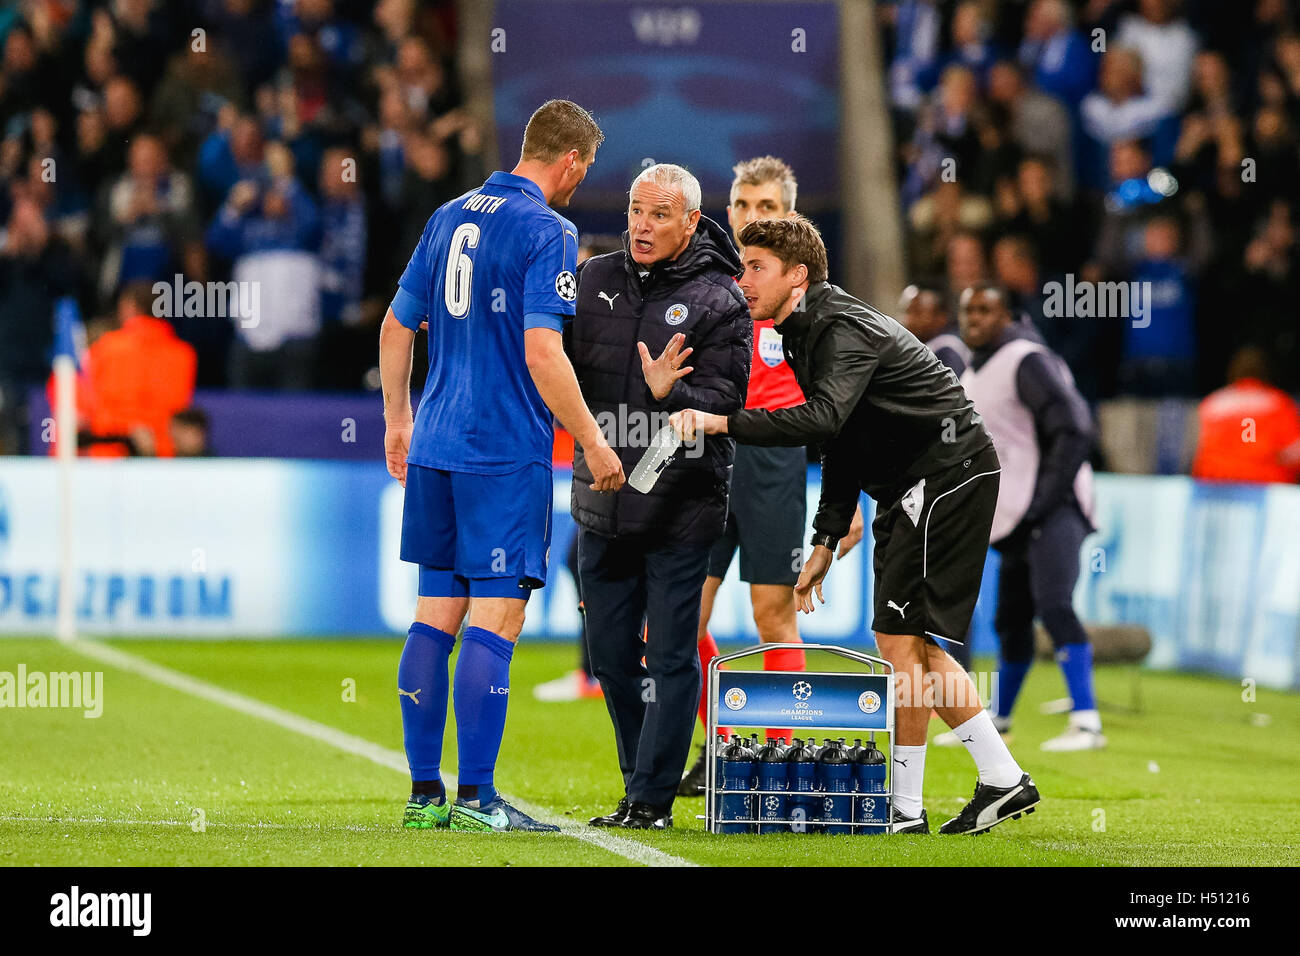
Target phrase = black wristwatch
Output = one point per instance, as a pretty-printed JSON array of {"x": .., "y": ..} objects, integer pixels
[{"x": 825, "y": 540}]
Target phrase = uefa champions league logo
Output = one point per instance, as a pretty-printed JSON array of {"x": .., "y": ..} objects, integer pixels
[
  {"x": 868, "y": 702},
  {"x": 735, "y": 698},
  {"x": 772, "y": 802},
  {"x": 802, "y": 690}
]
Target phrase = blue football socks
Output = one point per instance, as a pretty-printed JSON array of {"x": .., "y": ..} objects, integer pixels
[
  {"x": 482, "y": 694},
  {"x": 422, "y": 686},
  {"x": 1076, "y": 667}
]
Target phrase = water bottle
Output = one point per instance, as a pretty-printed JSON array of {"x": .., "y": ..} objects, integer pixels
[
  {"x": 772, "y": 775},
  {"x": 869, "y": 774},
  {"x": 835, "y": 780},
  {"x": 737, "y": 813},
  {"x": 803, "y": 800},
  {"x": 719, "y": 745}
]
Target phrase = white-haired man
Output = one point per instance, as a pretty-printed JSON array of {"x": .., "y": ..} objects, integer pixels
[{"x": 669, "y": 294}]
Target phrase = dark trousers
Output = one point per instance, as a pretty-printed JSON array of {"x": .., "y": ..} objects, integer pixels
[
  {"x": 1037, "y": 578},
  {"x": 653, "y": 707}
]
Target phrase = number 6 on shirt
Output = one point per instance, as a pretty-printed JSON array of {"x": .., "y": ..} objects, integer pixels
[{"x": 460, "y": 270}]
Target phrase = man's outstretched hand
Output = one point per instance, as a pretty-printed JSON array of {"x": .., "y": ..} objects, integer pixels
[
  {"x": 661, "y": 374},
  {"x": 689, "y": 421},
  {"x": 810, "y": 579}
]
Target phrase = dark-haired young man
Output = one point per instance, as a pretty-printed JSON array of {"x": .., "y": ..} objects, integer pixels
[{"x": 892, "y": 421}]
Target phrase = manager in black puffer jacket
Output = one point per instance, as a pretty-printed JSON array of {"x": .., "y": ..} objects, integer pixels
[{"x": 660, "y": 326}]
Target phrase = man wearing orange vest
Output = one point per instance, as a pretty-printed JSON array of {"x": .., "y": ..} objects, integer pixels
[
  {"x": 1250, "y": 431},
  {"x": 135, "y": 377}
]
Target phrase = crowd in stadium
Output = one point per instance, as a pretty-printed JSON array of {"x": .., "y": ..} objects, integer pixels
[
  {"x": 1109, "y": 141},
  {"x": 303, "y": 143}
]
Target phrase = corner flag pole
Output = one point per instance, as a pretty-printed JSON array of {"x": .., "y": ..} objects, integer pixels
[{"x": 67, "y": 320}]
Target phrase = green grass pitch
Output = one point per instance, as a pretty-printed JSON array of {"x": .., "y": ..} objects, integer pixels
[{"x": 1198, "y": 777}]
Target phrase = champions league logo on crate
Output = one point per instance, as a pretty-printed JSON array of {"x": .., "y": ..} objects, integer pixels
[
  {"x": 799, "y": 786},
  {"x": 802, "y": 691}
]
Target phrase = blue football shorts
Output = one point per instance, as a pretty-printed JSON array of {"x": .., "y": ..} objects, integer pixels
[{"x": 478, "y": 535}]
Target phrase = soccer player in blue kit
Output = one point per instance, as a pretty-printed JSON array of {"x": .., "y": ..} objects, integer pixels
[{"x": 493, "y": 276}]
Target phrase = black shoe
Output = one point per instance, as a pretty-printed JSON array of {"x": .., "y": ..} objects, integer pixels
[
  {"x": 901, "y": 824},
  {"x": 614, "y": 819},
  {"x": 693, "y": 780},
  {"x": 642, "y": 816},
  {"x": 991, "y": 805}
]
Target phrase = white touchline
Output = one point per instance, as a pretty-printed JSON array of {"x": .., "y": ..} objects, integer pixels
[{"x": 358, "y": 746}]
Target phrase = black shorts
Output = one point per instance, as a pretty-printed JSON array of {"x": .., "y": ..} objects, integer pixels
[
  {"x": 768, "y": 508},
  {"x": 930, "y": 546}
]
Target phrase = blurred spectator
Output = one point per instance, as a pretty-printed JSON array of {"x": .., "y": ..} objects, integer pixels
[
  {"x": 231, "y": 152},
  {"x": 122, "y": 119},
  {"x": 1051, "y": 223},
  {"x": 1139, "y": 194},
  {"x": 135, "y": 377},
  {"x": 187, "y": 105},
  {"x": 936, "y": 218},
  {"x": 999, "y": 151},
  {"x": 1159, "y": 356},
  {"x": 189, "y": 433},
  {"x": 36, "y": 268},
  {"x": 270, "y": 229},
  {"x": 150, "y": 217},
  {"x": 1266, "y": 289},
  {"x": 141, "y": 38},
  {"x": 965, "y": 263},
  {"x": 427, "y": 185},
  {"x": 1079, "y": 339},
  {"x": 916, "y": 26},
  {"x": 946, "y": 143},
  {"x": 246, "y": 27},
  {"x": 1060, "y": 59},
  {"x": 970, "y": 42},
  {"x": 1249, "y": 430},
  {"x": 1122, "y": 110},
  {"x": 347, "y": 343},
  {"x": 1167, "y": 46},
  {"x": 1039, "y": 124},
  {"x": 926, "y": 316}
]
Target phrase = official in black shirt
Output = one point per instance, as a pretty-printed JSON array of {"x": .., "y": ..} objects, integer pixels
[{"x": 892, "y": 420}]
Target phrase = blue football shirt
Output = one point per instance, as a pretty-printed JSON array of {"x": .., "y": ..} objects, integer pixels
[{"x": 490, "y": 264}]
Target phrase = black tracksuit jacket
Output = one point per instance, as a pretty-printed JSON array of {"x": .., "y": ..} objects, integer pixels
[{"x": 883, "y": 407}]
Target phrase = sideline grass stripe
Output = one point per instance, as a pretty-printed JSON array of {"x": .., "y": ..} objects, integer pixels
[{"x": 349, "y": 743}]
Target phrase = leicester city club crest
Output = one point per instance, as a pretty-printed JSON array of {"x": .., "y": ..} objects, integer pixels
[
  {"x": 735, "y": 698},
  {"x": 676, "y": 314},
  {"x": 869, "y": 702}
]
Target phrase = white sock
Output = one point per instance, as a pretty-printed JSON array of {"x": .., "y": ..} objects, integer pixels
[
  {"x": 996, "y": 765},
  {"x": 909, "y": 774},
  {"x": 1086, "y": 719}
]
